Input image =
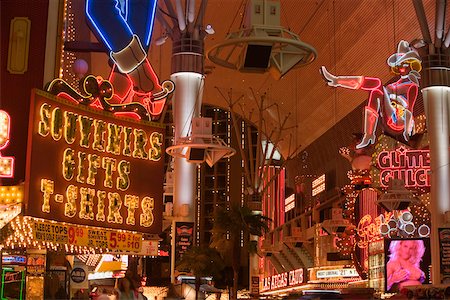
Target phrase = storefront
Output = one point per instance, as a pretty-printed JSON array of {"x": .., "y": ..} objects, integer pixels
[{"x": 93, "y": 186}]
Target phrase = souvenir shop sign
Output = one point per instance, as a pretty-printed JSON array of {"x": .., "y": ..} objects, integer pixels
[
  {"x": 412, "y": 166},
  {"x": 86, "y": 236},
  {"x": 88, "y": 167}
]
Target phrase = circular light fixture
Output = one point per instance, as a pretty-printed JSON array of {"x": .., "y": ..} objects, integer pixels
[
  {"x": 199, "y": 150},
  {"x": 262, "y": 48}
]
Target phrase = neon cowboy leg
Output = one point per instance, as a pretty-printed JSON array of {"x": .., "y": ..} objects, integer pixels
[
  {"x": 140, "y": 17},
  {"x": 107, "y": 19}
]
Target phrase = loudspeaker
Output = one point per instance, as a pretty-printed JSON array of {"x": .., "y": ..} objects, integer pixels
[
  {"x": 403, "y": 205},
  {"x": 196, "y": 155},
  {"x": 333, "y": 256},
  {"x": 257, "y": 57},
  {"x": 298, "y": 244},
  {"x": 340, "y": 229},
  {"x": 323, "y": 228}
]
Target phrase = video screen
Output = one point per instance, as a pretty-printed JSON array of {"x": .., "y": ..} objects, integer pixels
[{"x": 407, "y": 263}]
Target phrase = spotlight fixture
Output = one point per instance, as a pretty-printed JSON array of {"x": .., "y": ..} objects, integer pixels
[
  {"x": 209, "y": 29},
  {"x": 262, "y": 45},
  {"x": 161, "y": 40},
  {"x": 335, "y": 226},
  {"x": 201, "y": 145},
  {"x": 397, "y": 197}
]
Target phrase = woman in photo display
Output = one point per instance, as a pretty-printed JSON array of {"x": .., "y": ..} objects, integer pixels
[{"x": 403, "y": 267}]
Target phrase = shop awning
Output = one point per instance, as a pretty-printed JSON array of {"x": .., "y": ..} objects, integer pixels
[{"x": 109, "y": 266}]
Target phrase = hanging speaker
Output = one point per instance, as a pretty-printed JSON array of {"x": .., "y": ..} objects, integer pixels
[
  {"x": 196, "y": 155},
  {"x": 257, "y": 57}
]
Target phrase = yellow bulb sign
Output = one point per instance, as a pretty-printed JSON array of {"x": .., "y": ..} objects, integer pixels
[{"x": 89, "y": 167}]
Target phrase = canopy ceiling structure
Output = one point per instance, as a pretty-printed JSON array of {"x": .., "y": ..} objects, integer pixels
[{"x": 351, "y": 37}]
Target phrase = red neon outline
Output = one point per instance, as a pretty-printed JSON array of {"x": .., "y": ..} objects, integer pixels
[
  {"x": 8, "y": 158},
  {"x": 8, "y": 128},
  {"x": 154, "y": 108},
  {"x": 405, "y": 166},
  {"x": 371, "y": 84},
  {"x": 394, "y": 127}
]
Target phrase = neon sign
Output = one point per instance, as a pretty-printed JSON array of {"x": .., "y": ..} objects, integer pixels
[
  {"x": 6, "y": 163},
  {"x": 368, "y": 230},
  {"x": 286, "y": 279},
  {"x": 97, "y": 172},
  {"x": 395, "y": 101},
  {"x": 125, "y": 28},
  {"x": 412, "y": 166}
]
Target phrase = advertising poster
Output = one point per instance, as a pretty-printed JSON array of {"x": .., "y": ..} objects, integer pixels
[
  {"x": 407, "y": 263},
  {"x": 79, "y": 277},
  {"x": 254, "y": 288},
  {"x": 444, "y": 248},
  {"x": 36, "y": 265},
  {"x": 184, "y": 234}
]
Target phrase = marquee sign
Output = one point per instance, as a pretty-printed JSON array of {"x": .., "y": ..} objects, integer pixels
[
  {"x": 282, "y": 280},
  {"x": 87, "y": 167},
  {"x": 336, "y": 273},
  {"x": 412, "y": 166}
]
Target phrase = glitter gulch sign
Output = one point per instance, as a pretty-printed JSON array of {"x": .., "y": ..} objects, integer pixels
[{"x": 412, "y": 166}]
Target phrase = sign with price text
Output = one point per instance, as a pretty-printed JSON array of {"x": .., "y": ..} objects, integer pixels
[{"x": 84, "y": 236}]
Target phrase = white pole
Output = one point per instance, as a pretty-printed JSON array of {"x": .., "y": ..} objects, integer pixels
[
  {"x": 436, "y": 106},
  {"x": 187, "y": 100}
]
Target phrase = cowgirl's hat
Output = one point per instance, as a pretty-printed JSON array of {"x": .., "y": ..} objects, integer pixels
[{"x": 404, "y": 53}]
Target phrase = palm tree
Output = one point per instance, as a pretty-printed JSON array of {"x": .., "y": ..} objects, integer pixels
[
  {"x": 229, "y": 223},
  {"x": 201, "y": 261}
]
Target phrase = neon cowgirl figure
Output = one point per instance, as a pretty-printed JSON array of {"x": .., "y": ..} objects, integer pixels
[
  {"x": 125, "y": 28},
  {"x": 395, "y": 100}
]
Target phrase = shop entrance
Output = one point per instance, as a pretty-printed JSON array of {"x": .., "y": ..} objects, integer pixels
[{"x": 13, "y": 282}]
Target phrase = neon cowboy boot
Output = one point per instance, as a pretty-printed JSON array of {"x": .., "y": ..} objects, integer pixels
[
  {"x": 349, "y": 82},
  {"x": 132, "y": 60},
  {"x": 370, "y": 125},
  {"x": 123, "y": 87}
]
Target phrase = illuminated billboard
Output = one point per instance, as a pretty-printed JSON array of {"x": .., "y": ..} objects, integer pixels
[
  {"x": 318, "y": 185},
  {"x": 407, "y": 262},
  {"x": 88, "y": 167}
]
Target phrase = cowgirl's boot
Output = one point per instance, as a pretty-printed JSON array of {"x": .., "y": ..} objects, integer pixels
[
  {"x": 123, "y": 87},
  {"x": 349, "y": 82},
  {"x": 132, "y": 60},
  {"x": 370, "y": 125},
  {"x": 409, "y": 125}
]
